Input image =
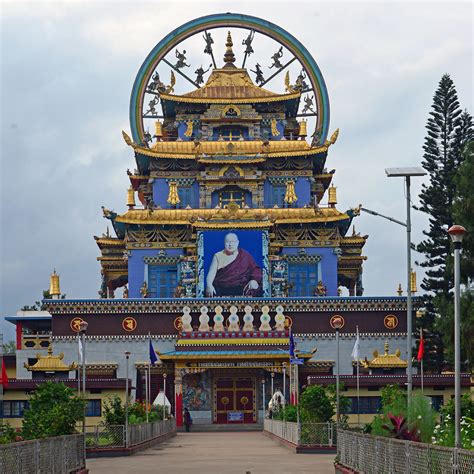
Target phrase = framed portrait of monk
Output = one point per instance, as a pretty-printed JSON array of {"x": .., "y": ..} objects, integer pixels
[{"x": 233, "y": 263}]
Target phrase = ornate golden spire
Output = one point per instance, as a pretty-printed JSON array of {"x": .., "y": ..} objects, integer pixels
[
  {"x": 290, "y": 194},
  {"x": 130, "y": 198},
  {"x": 50, "y": 363},
  {"x": 173, "y": 196},
  {"x": 332, "y": 199},
  {"x": 229, "y": 57},
  {"x": 54, "y": 289},
  {"x": 399, "y": 290}
]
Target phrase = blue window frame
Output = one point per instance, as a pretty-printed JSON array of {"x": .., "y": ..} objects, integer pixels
[
  {"x": 278, "y": 196},
  {"x": 185, "y": 196},
  {"x": 15, "y": 408},
  {"x": 304, "y": 278},
  {"x": 94, "y": 408},
  {"x": 162, "y": 280}
]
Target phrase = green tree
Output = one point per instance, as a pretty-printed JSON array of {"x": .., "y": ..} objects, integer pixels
[
  {"x": 38, "y": 306},
  {"x": 448, "y": 131},
  {"x": 54, "y": 411},
  {"x": 316, "y": 405},
  {"x": 344, "y": 402},
  {"x": 9, "y": 347},
  {"x": 114, "y": 411}
]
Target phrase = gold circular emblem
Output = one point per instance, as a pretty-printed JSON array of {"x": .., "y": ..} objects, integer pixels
[
  {"x": 129, "y": 324},
  {"x": 390, "y": 321},
  {"x": 244, "y": 400},
  {"x": 225, "y": 400},
  {"x": 337, "y": 321},
  {"x": 178, "y": 324},
  {"x": 76, "y": 324},
  {"x": 288, "y": 322}
]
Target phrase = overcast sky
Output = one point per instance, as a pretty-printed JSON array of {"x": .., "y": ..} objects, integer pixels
[{"x": 67, "y": 69}]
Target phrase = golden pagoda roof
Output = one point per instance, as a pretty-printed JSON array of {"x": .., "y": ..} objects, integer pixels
[
  {"x": 206, "y": 217},
  {"x": 50, "y": 363},
  {"x": 109, "y": 241},
  {"x": 385, "y": 361},
  {"x": 230, "y": 85}
]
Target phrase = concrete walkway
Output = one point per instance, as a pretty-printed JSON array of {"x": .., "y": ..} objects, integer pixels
[{"x": 224, "y": 453}]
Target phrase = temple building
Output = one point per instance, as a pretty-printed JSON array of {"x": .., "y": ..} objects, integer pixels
[{"x": 230, "y": 238}]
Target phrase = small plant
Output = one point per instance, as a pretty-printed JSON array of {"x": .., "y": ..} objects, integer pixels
[
  {"x": 400, "y": 430},
  {"x": 8, "y": 434}
]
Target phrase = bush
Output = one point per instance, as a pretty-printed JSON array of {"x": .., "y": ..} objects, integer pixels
[
  {"x": 315, "y": 405},
  {"x": 287, "y": 413},
  {"x": 114, "y": 411},
  {"x": 54, "y": 411}
]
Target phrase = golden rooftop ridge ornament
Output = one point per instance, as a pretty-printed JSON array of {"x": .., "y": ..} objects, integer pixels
[
  {"x": 332, "y": 198},
  {"x": 290, "y": 194},
  {"x": 173, "y": 196},
  {"x": 229, "y": 56},
  {"x": 386, "y": 360},
  {"x": 130, "y": 198},
  {"x": 50, "y": 363}
]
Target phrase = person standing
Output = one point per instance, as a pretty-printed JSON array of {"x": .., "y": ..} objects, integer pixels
[{"x": 187, "y": 420}]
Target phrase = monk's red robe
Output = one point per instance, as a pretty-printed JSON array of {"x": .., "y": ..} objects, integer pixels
[{"x": 232, "y": 279}]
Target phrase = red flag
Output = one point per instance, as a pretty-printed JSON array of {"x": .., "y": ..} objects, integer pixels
[
  {"x": 421, "y": 348},
  {"x": 4, "y": 379}
]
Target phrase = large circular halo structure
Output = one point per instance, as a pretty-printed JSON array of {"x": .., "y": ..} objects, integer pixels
[{"x": 315, "y": 103}]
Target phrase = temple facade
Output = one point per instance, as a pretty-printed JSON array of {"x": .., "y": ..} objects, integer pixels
[{"x": 230, "y": 239}]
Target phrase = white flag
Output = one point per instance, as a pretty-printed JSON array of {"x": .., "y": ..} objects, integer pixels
[
  {"x": 81, "y": 352},
  {"x": 356, "y": 349}
]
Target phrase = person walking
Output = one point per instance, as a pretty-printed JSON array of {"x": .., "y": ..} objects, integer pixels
[{"x": 188, "y": 421}]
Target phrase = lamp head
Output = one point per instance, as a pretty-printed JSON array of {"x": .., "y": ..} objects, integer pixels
[
  {"x": 83, "y": 326},
  {"x": 456, "y": 233}
]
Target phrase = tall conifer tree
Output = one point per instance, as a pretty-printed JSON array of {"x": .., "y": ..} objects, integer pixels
[{"x": 448, "y": 131}]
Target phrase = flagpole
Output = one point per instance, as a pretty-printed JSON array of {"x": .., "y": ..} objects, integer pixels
[
  {"x": 358, "y": 384},
  {"x": 78, "y": 367},
  {"x": 421, "y": 336},
  {"x": 146, "y": 391}
]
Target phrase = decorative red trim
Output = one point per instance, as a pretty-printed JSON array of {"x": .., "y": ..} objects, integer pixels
[
  {"x": 179, "y": 409},
  {"x": 19, "y": 335}
]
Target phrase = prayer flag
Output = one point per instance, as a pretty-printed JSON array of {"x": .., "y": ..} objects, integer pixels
[
  {"x": 153, "y": 357},
  {"x": 421, "y": 348},
  {"x": 356, "y": 349},
  {"x": 4, "y": 379}
]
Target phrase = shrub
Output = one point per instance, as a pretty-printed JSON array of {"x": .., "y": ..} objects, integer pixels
[{"x": 315, "y": 404}]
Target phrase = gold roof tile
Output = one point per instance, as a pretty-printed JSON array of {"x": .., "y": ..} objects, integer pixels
[{"x": 385, "y": 361}]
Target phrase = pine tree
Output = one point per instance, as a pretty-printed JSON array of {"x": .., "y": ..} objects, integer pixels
[{"x": 448, "y": 131}]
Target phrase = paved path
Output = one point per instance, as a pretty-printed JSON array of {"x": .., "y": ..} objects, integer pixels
[{"x": 224, "y": 453}]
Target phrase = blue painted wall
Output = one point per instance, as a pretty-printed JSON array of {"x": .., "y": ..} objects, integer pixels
[
  {"x": 160, "y": 192},
  {"x": 328, "y": 265},
  {"x": 302, "y": 189},
  {"x": 136, "y": 268}
]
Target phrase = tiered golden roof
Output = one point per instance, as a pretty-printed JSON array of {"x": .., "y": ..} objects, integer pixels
[
  {"x": 385, "y": 361},
  {"x": 50, "y": 363},
  {"x": 292, "y": 215}
]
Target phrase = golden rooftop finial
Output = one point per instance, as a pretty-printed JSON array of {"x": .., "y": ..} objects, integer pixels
[
  {"x": 290, "y": 194},
  {"x": 173, "y": 196},
  {"x": 399, "y": 290},
  {"x": 413, "y": 282},
  {"x": 386, "y": 348},
  {"x": 229, "y": 57},
  {"x": 130, "y": 198},
  {"x": 303, "y": 132},
  {"x": 332, "y": 198},
  {"x": 54, "y": 289},
  {"x": 158, "y": 129}
]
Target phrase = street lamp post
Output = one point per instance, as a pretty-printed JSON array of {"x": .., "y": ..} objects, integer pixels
[
  {"x": 337, "y": 376},
  {"x": 263, "y": 397},
  {"x": 127, "y": 355},
  {"x": 82, "y": 331},
  {"x": 284, "y": 381},
  {"x": 407, "y": 173},
  {"x": 457, "y": 233}
]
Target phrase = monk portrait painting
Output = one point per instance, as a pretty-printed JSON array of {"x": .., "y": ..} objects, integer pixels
[{"x": 234, "y": 266}]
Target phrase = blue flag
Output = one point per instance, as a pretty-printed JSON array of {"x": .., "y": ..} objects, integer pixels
[
  {"x": 292, "y": 345},
  {"x": 153, "y": 358}
]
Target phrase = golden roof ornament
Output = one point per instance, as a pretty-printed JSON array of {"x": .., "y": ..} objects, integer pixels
[
  {"x": 303, "y": 132},
  {"x": 332, "y": 198},
  {"x": 229, "y": 57},
  {"x": 413, "y": 288},
  {"x": 290, "y": 194},
  {"x": 158, "y": 129},
  {"x": 130, "y": 197},
  {"x": 400, "y": 290},
  {"x": 385, "y": 361},
  {"x": 50, "y": 363},
  {"x": 173, "y": 196},
  {"x": 54, "y": 289}
]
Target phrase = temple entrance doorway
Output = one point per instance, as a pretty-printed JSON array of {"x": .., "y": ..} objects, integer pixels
[{"x": 234, "y": 400}]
